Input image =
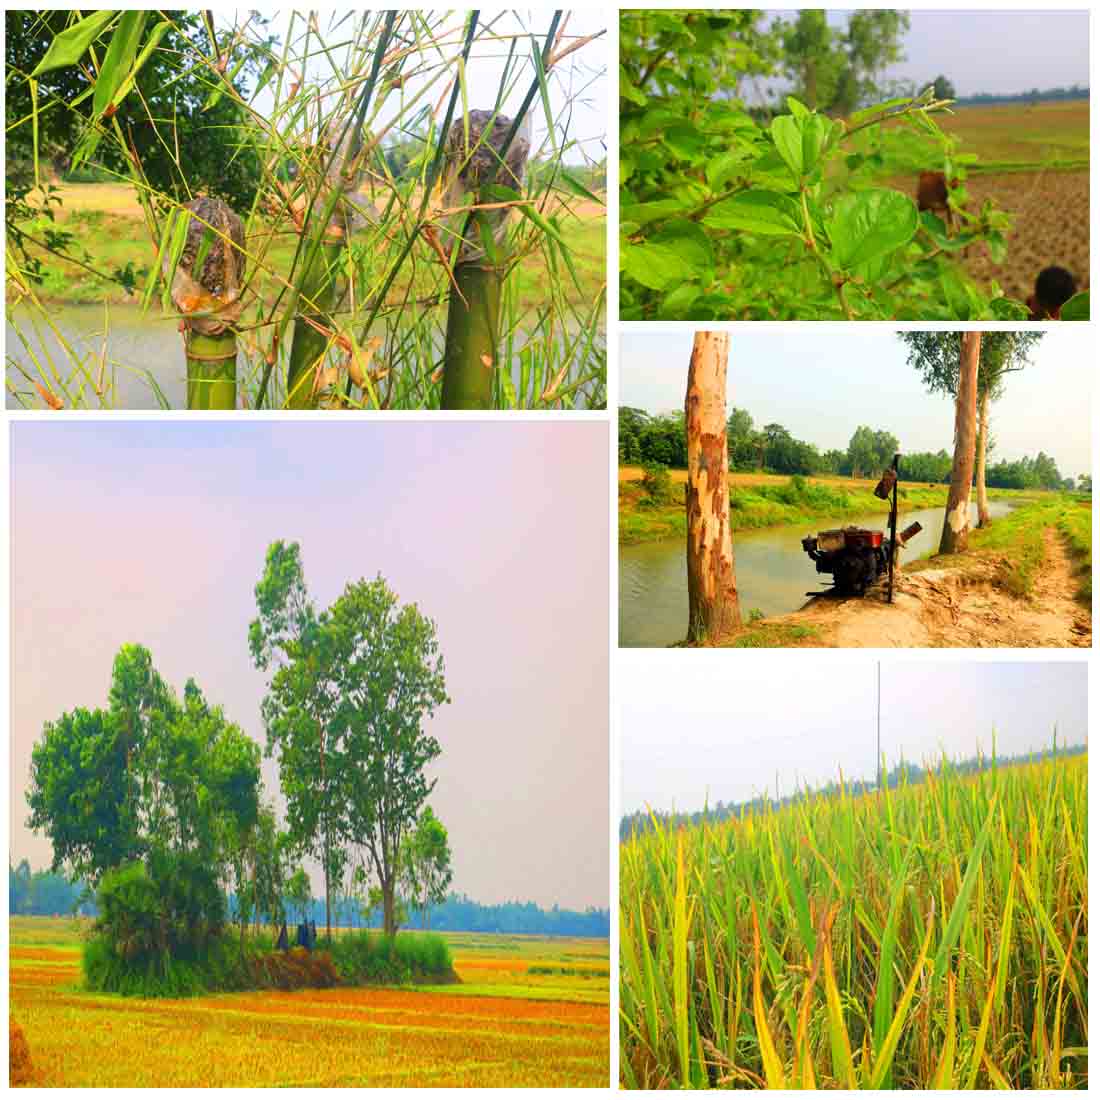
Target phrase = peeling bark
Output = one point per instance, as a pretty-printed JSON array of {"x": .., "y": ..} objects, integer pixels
[
  {"x": 956, "y": 527},
  {"x": 713, "y": 608},
  {"x": 984, "y": 518}
]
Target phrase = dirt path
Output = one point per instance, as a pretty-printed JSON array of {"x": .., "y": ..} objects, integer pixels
[{"x": 957, "y": 607}]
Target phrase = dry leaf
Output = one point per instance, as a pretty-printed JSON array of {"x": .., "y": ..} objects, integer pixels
[{"x": 51, "y": 399}]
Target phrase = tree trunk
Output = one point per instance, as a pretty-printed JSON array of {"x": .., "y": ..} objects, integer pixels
[
  {"x": 956, "y": 524},
  {"x": 328, "y": 889},
  {"x": 984, "y": 518},
  {"x": 388, "y": 923},
  {"x": 713, "y": 608}
]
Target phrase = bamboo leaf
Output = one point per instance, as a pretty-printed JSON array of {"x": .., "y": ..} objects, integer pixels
[{"x": 72, "y": 43}]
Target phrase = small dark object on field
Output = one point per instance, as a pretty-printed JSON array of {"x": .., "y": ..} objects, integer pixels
[
  {"x": 1054, "y": 286},
  {"x": 932, "y": 194},
  {"x": 21, "y": 1070},
  {"x": 283, "y": 942}
]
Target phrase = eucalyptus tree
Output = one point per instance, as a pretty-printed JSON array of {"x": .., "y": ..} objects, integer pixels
[
  {"x": 426, "y": 871},
  {"x": 937, "y": 356},
  {"x": 291, "y": 640},
  {"x": 713, "y": 607},
  {"x": 390, "y": 682}
]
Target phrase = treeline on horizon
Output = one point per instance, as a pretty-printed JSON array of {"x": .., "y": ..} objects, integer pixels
[
  {"x": 47, "y": 894},
  {"x": 982, "y": 99},
  {"x": 660, "y": 440},
  {"x": 904, "y": 772}
]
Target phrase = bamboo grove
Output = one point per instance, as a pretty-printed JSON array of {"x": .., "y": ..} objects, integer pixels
[
  {"x": 931, "y": 936},
  {"x": 364, "y": 263}
]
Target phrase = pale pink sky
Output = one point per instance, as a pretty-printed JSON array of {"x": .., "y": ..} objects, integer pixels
[{"x": 155, "y": 532}]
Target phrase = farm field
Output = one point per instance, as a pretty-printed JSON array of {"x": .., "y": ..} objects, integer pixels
[
  {"x": 1034, "y": 163},
  {"x": 527, "y": 1012},
  {"x": 933, "y": 935}
]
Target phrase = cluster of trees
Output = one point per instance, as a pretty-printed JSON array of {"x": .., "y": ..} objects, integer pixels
[
  {"x": 838, "y": 69},
  {"x": 1035, "y": 95},
  {"x": 156, "y": 801},
  {"x": 904, "y": 773},
  {"x": 648, "y": 439}
]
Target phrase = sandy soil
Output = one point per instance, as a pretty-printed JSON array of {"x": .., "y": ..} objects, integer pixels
[{"x": 957, "y": 607}]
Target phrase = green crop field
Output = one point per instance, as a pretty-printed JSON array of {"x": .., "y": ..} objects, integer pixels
[{"x": 934, "y": 935}]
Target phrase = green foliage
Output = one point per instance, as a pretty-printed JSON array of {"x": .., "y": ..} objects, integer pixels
[
  {"x": 936, "y": 356},
  {"x": 152, "y": 59},
  {"x": 657, "y": 485},
  {"x": 349, "y": 690},
  {"x": 366, "y": 958},
  {"x": 728, "y": 216},
  {"x": 425, "y": 855}
]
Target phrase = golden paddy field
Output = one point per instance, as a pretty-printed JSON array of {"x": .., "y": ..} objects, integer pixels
[{"x": 528, "y": 1012}]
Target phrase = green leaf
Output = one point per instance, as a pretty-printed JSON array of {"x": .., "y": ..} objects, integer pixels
[
  {"x": 72, "y": 43},
  {"x": 641, "y": 212},
  {"x": 676, "y": 306},
  {"x": 724, "y": 167},
  {"x": 1077, "y": 308},
  {"x": 120, "y": 56},
  {"x": 766, "y": 212},
  {"x": 657, "y": 266},
  {"x": 797, "y": 108},
  {"x": 685, "y": 141},
  {"x": 573, "y": 184},
  {"x": 872, "y": 223},
  {"x": 691, "y": 243},
  {"x": 787, "y": 135}
]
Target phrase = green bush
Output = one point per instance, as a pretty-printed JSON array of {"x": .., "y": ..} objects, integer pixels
[
  {"x": 370, "y": 957},
  {"x": 657, "y": 485}
]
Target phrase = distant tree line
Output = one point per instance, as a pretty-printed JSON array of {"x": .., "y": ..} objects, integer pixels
[
  {"x": 903, "y": 773},
  {"x": 647, "y": 439},
  {"x": 1074, "y": 91},
  {"x": 47, "y": 894}
]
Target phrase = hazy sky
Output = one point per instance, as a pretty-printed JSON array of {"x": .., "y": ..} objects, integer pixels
[
  {"x": 577, "y": 86},
  {"x": 990, "y": 51},
  {"x": 155, "y": 532},
  {"x": 706, "y": 724},
  {"x": 822, "y": 383}
]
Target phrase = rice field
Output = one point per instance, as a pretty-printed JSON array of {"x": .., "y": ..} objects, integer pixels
[
  {"x": 934, "y": 935},
  {"x": 527, "y": 1012}
]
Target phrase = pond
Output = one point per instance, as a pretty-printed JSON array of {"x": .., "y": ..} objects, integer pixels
[
  {"x": 145, "y": 355},
  {"x": 774, "y": 573}
]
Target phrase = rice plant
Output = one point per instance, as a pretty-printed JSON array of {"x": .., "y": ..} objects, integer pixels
[
  {"x": 930, "y": 936},
  {"x": 361, "y": 271}
]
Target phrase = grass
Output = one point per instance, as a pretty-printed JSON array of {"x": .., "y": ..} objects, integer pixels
[
  {"x": 766, "y": 500},
  {"x": 105, "y": 220},
  {"x": 930, "y": 936},
  {"x": 1018, "y": 542},
  {"x": 500, "y": 1027}
]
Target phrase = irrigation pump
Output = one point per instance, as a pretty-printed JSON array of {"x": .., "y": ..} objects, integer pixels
[
  {"x": 856, "y": 557},
  {"x": 206, "y": 289}
]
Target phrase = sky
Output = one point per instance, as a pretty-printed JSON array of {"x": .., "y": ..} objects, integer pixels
[
  {"x": 577, "y": 86},
  {"x": 1001, "y": 52},
  {"x": 711, "y": 727},
  {"x": 155, "y": 532},
  {"x": 822, "y": 383}
]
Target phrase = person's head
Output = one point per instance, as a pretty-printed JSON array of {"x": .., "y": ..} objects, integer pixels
[{"x": 1054, "y": 286}]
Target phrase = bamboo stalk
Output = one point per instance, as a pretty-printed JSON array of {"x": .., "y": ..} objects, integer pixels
[
  {"x": 212, "y": 370},
  {"x": 206, "y": 290},
  {"x": 482, "y": 150}
]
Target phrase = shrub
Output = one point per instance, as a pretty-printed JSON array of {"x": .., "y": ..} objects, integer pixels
[
  {"x": 369, "y": 957},
  {"x": 657, "y": 485}
]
